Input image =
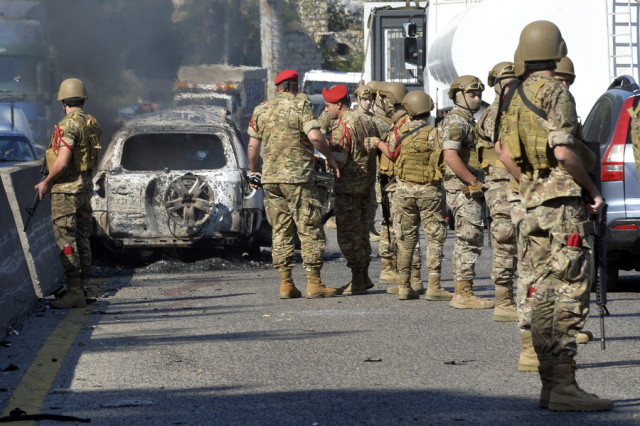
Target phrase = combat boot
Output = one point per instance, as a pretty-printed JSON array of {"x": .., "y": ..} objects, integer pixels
[
  {"x": 367, "y": 278},
  {"x": 407, "y": 293},
  {"x": 412, "y": 283},
  {"x": 434, "y": 291},
  {"x": 358, "y": 285},
  {"x": 584, "y": 337},
  {"x": 545, "y": 369},
  {"x": 388, "y": 273},
  {"x": 505, "y": 309},
  {"x": 566, "y": 395},
  {"x": 528, "y": 358},
  {"x": 74, "y": 298},
  {"x": 374, "y": 235},
  {"x": 315, "y": 288},
  {"x": 287, "y": 289},
  {"x": 463, "y": 297}
]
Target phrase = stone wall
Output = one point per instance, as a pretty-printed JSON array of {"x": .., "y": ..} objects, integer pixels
[{"x": 302, "y": 53}]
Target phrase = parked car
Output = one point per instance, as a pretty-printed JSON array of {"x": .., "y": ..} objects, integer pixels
[
  {"x": 177, "y": 179},
  {"x": 608, "y": 123},
  {"x": 15, "y": 147}
]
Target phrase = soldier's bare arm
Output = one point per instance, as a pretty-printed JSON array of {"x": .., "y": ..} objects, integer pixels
[
  {"x": 253, "y": 153},
  {"x": 505, "y": 158},
  {"x": 57, "y": 170},
  {"x": 319, "y": 142}
]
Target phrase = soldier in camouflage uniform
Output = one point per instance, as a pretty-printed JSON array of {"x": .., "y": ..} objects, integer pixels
[
  {"x": 503, "y": 233},
  {"x": 419, "y": 196},
  {"x": 538, "y": 147},
  {"x": 72, "y": 154},
  {"x": 353, "y": 189},
  {"x": 289, "y": 132},
  {"x": 464, "y": 191}
]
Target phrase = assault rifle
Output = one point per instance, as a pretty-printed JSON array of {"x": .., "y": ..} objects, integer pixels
[
  {"x": 600, "y": 276},
  {"x": 31, "y": 211},
  {"x": 385, "y": 181}
]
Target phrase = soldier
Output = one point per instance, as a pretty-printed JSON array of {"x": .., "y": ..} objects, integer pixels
[
  {"x": 538, "y": 148},
  {"x": 72, "y": 154},
  {"x": 363, "y": 98},
  {"x": 463, "y": 188},
  {"x": 565, "y": 72},
  {"x": 502, "y": 229},
  {"x": 389, "y": 100},
  {"x": 290, "y": 133},
  {"x": 419, "y": 196},
  {"x": 353, "y": 190}
]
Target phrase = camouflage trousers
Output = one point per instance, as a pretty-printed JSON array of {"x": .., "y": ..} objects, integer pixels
[
  {"x": 352, "y": 223},
  {"x": 467, "y": 216},
  {"x": 525, "y": 274},
  {"x": 388, "y": 245},
  {"x": 290, "y": 207},
  {"x": 411, "y": 212},
  {"x": 503, "y": 232},
  {"x": 72, "y": 223},
  {"x": 560, "y": 300}
]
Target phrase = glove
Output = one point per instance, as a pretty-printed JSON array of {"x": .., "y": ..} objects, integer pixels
[
  {"x": 475, "y": 190},
  {"x": 371, "y": 143},
  {"x": 255, "y": 180}
]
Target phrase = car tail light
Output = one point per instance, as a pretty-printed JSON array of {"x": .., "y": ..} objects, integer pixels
[
  {"x": 613, "y": 162},
  {"x": 626, "y": 227}
]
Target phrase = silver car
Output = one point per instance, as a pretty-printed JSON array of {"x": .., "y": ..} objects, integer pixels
[
  {"x": 608, "y": 124},
  {"x": 177, "y": 179}
]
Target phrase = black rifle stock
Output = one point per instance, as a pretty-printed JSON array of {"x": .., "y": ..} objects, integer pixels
[
  {"x": 600, "y": 257},
  {"x": 385, "y": 203},
  {"x": 31, "y": 211}
]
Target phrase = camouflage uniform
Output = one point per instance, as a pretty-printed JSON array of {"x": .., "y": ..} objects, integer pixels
[
  {"x": 456, "y": 132},
  {"x": 554, "y": 211},
  {"x": 353, "y": 189},
  {"x": 71, "y": 212},
  {"x": 288, "y": 178},
  {"x": 419, "y": 199}
]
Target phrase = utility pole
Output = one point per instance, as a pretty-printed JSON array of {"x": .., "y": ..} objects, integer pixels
[{"x": 271, "y": 38}]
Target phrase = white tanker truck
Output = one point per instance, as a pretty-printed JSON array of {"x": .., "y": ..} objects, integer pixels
[{"x": 426, "y": 45}]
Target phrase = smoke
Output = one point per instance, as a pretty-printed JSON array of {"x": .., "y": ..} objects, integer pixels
[{"x": 126, "y": 50}]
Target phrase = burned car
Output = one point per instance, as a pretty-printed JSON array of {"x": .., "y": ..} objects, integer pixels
[{"x": 177, "y": 179}]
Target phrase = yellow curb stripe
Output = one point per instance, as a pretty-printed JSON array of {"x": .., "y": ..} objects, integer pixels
[{"x": 36, "y": 382}]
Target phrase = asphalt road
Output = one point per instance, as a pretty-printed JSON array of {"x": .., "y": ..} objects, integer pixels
[{"x": 210, "y": 343}]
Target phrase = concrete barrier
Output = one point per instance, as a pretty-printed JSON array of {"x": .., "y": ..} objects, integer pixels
[{"x": 31, "y": 266}]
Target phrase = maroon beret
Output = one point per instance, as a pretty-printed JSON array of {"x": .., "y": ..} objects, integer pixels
[
  {"x": 333, "y": 95},
  {"x": 286, "y": 75}
]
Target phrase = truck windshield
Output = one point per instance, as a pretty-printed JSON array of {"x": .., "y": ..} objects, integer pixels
[{"x": 16, "y": 148}]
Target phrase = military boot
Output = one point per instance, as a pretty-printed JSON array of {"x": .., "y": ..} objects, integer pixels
[
  {"x": 287, "y": 289},
  {"x": 74, "y": 298},
  {"x": 566, "y": 395},
  {"x": 358, "y": 285},
  {"x": 405, "y": 292},
  {"x": 528, "y": 358},
  {"x": 315, "y": 288},
  {"x": 463, "y": 297},
  {"x": 434, "y": 291},
  {"x": 505, "y": 309},
  {"x": 388, "y": 273},
  {"x": 367, "y": 278},
  {"x": 374, "y": 235},
  {"x": 584, "y": 337},
  {"x": 415, "y": 283},
  {"x": 545, "y": 369}
]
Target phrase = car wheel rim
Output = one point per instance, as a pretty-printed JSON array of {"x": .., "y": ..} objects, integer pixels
[{"x": 189, "y": 200}]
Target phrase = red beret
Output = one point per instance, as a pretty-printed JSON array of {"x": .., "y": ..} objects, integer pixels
[
  {"x": 333, "y": 95},
  {"x": 286, "y": 75}
]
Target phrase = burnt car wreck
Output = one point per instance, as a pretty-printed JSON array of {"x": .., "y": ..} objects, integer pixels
[{"x": 177, "y": 179}]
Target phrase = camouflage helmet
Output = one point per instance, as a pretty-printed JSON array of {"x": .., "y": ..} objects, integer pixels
[
  {"x": 417, "y": 103},
  {"x": 465, "y": 83},
  {"x": 541, "y": 41},
  {"x": 72, "y": 88},
  {"x": 500, "y": 71},
  {"x": 363, "y": 92},
  {"x": 394, "y": 92},
  {"x": 374, "y": 86},
  {"x": 518, "y": 63},
  {"x": 565, "y": 66}
]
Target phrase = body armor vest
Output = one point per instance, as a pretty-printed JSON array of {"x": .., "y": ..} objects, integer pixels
[
  {"x": 418, "y": 162},
  {"x": 85, "y": 148}
]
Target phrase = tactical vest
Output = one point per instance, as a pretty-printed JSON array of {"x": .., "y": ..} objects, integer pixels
[
  {"x": 535, "y": 154},
  {"x": 418, "y": 162},
  {"x": 85, "y": 149},
  {"x": 385, "y": 164},
  {"x": 467, "y": 154}
]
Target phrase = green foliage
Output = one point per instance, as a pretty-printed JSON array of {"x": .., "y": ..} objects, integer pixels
[{"x": 331, "y": 60}]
